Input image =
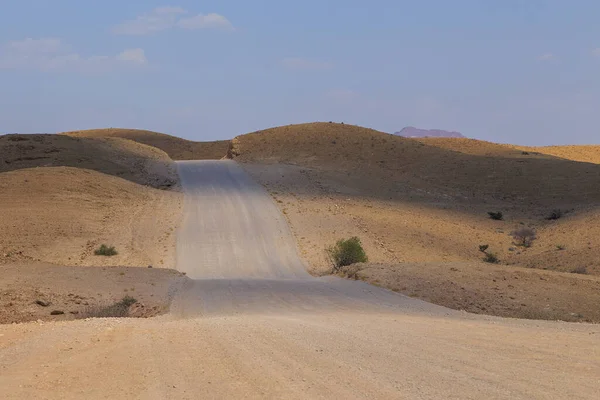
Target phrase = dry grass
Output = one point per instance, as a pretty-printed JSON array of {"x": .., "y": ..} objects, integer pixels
[{"x": 119, "y": 309}]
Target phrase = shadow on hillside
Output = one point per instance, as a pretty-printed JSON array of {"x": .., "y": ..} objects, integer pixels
[
  {"x": 451, "y": 177},
  {"x": 46, "y": 150},
  {"x": 177, "y": 148}
]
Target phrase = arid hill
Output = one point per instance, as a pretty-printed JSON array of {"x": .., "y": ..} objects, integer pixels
[
  {"x": 581, "y": 153},
  {"x": 61, "y": 197},
  {"x": 398, "y": 166},
  {"x": 422, "y": 206},
  {"x": 176, "y": 148},
  {"x": 136, "y": 162}
]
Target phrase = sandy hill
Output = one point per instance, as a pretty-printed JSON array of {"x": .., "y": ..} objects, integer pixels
[
  {"x": 464, "y": 170},
  {"x": 61, "y": 197},
  {"x": 136, "y": 162},
  {"x": 176, "y": 148},
  {"x": 589, "y": 153},
  {"x": 582, "y": 153},
  {"x": 420, "y": 207}
]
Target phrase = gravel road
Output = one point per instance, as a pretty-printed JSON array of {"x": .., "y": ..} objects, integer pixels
[{"x": 253, "y": 324}]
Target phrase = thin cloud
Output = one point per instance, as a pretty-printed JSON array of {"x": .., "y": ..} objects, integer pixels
[
  {"x": 166, "y": 18},
  {"x": 306, "y": 64},
  {"x": 137, "y": 56},
  {"x": 50, "y": 54},
  {"x": 547, "y": 57},
  {"x": 209, "y": 21}
]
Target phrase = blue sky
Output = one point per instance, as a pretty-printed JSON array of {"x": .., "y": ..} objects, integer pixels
[{"x": 525, "y": 72}]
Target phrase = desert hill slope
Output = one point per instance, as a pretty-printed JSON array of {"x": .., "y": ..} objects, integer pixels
[
  {"x": 61, "y": 197},
  {"x": 136, "y": 162},
  {"x": 177, "y": 148},
  {"x": 580, "y": 153},
  {"x": 421, "y": 207},
  {"x": 399, "y": 165}
]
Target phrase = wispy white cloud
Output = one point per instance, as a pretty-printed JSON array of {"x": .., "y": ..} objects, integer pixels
[
  {"x": 298, "y": 63},
  {"x": 547, "y": 57},
  {"x": 137, "y": 56},
  {"x": 165, "y": 18},
  {"x": 50, "y": 54},
  {"x": 209, "y": 21}
]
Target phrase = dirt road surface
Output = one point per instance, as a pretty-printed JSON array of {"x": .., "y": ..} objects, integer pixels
[{"x": 248, "y": 329}]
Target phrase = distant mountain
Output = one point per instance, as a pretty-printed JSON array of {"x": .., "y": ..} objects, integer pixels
[{"x": 412, "y": 132}]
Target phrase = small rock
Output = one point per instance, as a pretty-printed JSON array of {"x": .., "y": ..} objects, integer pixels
[
  {"x": 42, "y": 303},
  {"x": 74, "y": 312},
  {"x": 150, "y": 266},
  {"x": 57, "y": 312}
]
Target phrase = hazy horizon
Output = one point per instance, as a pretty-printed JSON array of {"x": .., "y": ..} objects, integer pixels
[{"x": 504, "y": 72}]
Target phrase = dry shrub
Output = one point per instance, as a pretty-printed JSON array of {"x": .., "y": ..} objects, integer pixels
[
  {"x": 119, "y": 309},
  {"x": 524, "y": 236}
]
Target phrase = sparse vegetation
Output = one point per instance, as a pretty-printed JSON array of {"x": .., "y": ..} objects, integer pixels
[
  {"x": 524, "y": 237},
  {"x": 119, "y": 309},
  {"x": 580, "y": 270},
  {"x": 490, "y": 257},
  {"x": 346, "y": 252},
  {"x": 496, "y": 216},
  {"x": 351, "y": 271},
  {"x": 560, "y": 247},
  {"x": 106, "y": 251}
]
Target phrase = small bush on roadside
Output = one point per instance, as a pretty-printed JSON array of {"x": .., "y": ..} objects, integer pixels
[
  {"x": 580, "y": 271},
  {"x": 106, "y": 251},
  {"x": 524, "y": 236},
  {"x": 347, "y": 252},
  {"x": 496, "y": 216},
  {"x": 119, "y": 309}
]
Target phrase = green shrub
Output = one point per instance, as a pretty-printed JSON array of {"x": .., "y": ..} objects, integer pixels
[
  {"x": 496, "y": 216},
  {"x": 106, "y": 251},
  {"x": 347, "y": 252}
]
